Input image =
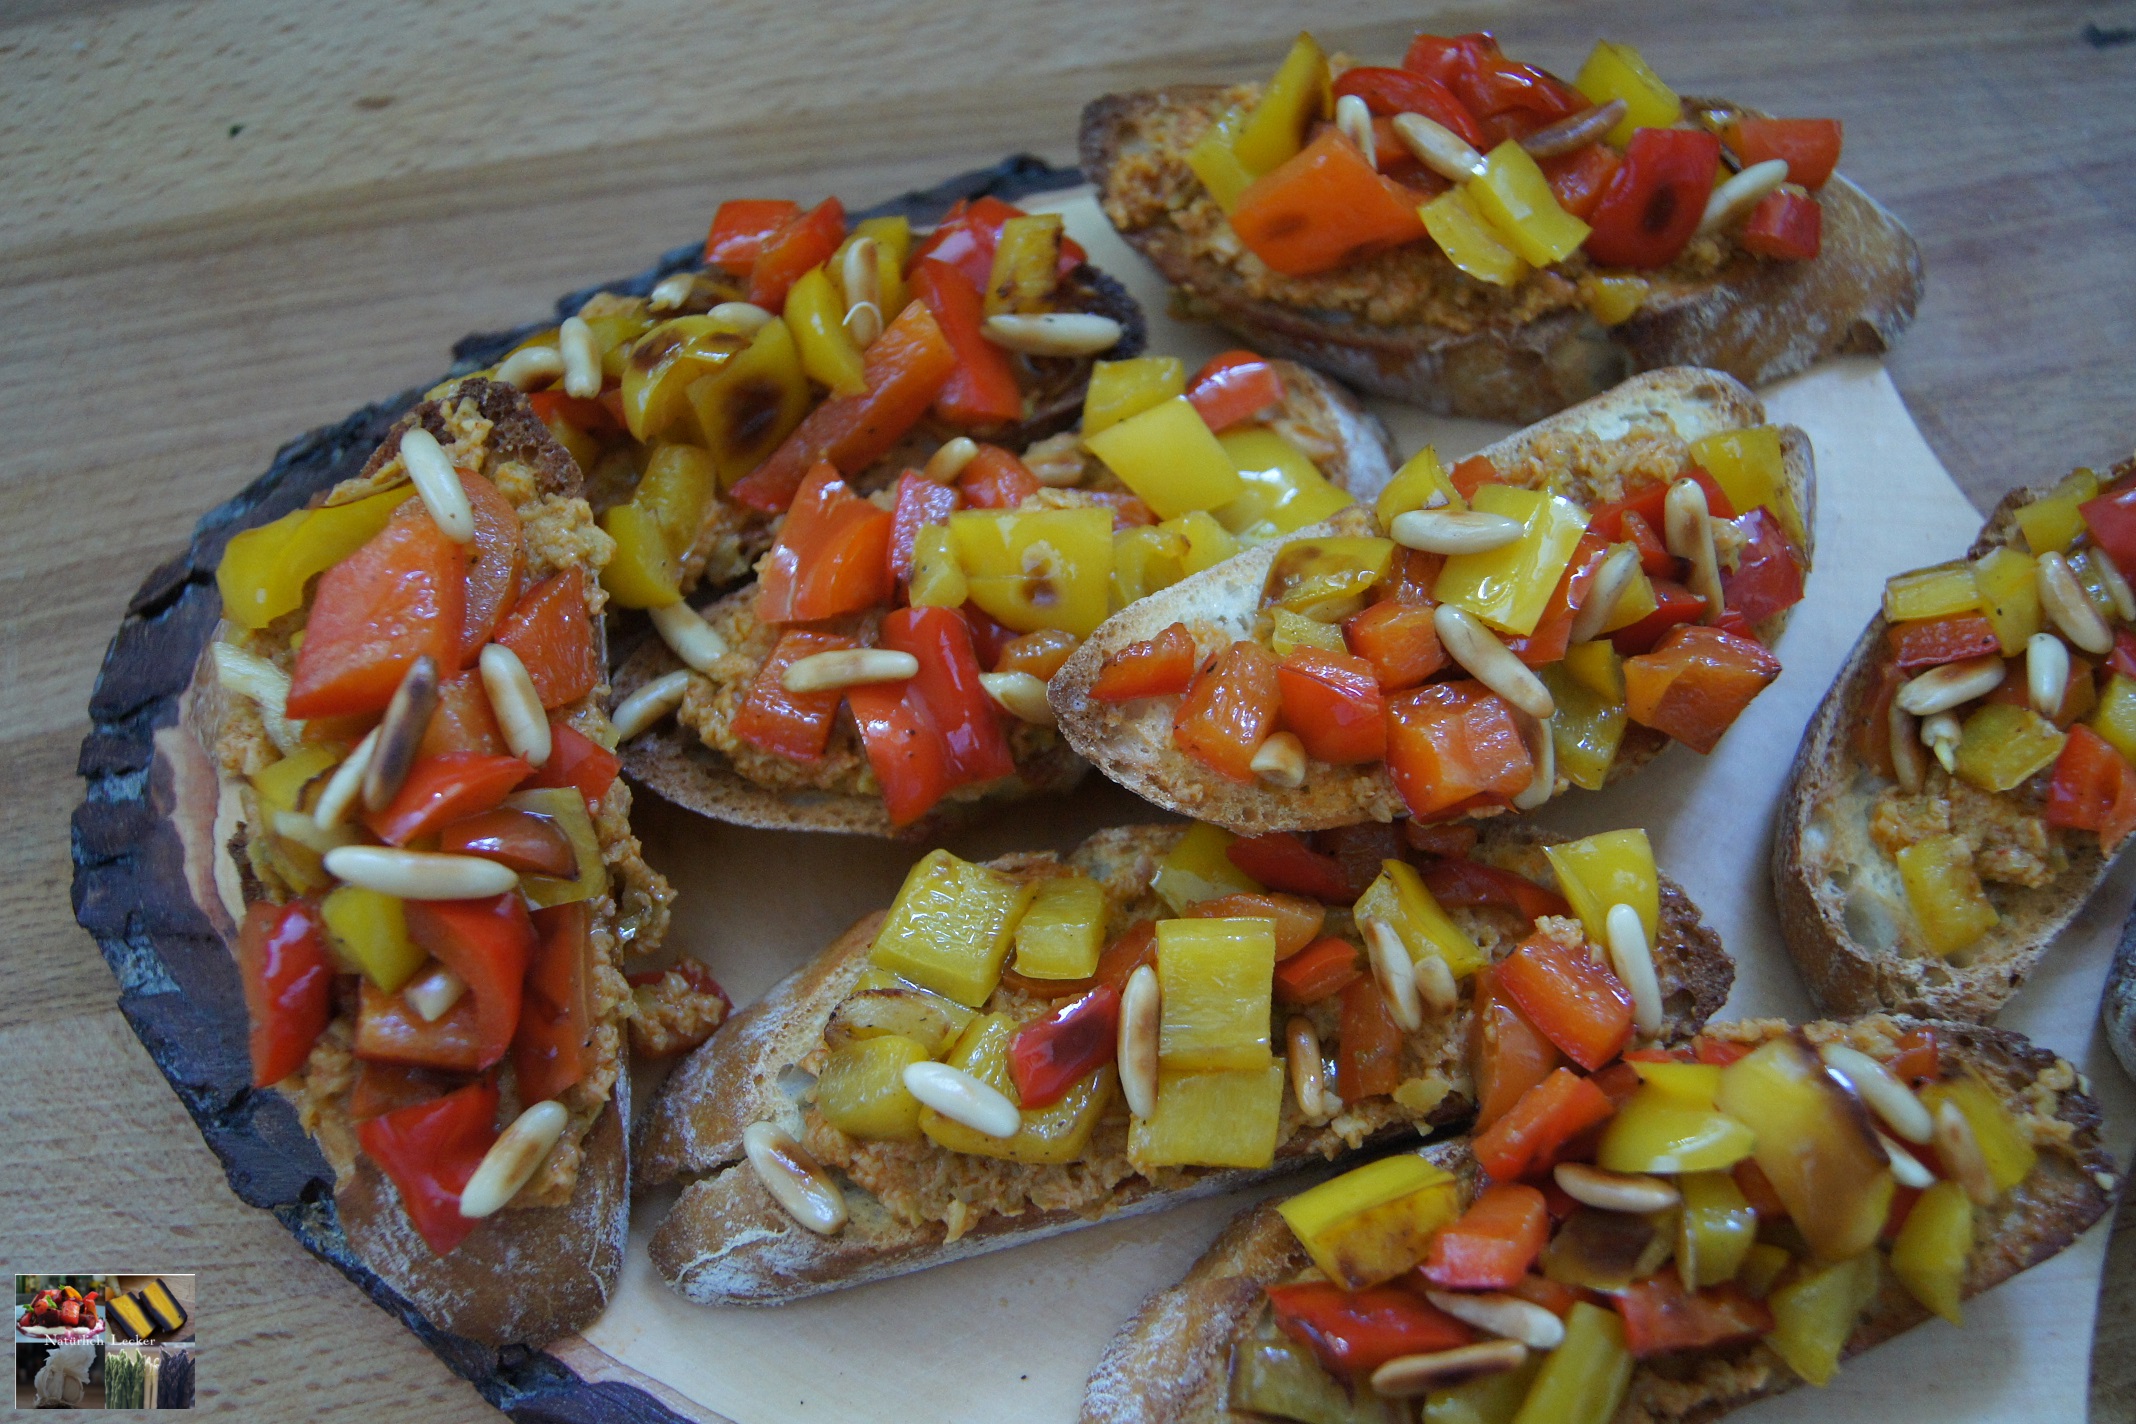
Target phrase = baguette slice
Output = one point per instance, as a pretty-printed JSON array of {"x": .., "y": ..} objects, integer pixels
[
  {"x": 1756, "y": 320},
  {"x": 1349, "y": 444},
  {"x": 1171, "y": 1363},
  {"x": 1842, "y": 911},
  {"x": 1131, "y": 742},
  {"x": 727, "y": 1242}
]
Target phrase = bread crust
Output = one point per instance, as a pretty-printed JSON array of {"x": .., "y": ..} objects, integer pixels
[
  {"x": 1131, "y": 742},
  {"x": 1756, "y": 320},
  {"x": 1170, "y": 1363}
]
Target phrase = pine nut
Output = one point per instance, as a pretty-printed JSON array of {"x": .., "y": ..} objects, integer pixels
[
  {"x": 438, "y": 483},
  {"x": 1569, "y": 135},
  {"x": 420, "y": 874},
  {"x": 251, "y": 676},
  {"x": 800, "y": 1187},
  {"x": 1436, "y": 989},
  {"x": 1451, "y": 531},
  {"x": 2046, "y": 673},
  {"x": 671, "y": 291},
  {"x": 1690, "y": 536},
  {"x": 863, "y": 322},
  {"x": 1542, "y": 751},
  {"x": 1490, "y": 662},
  {"x": 1906, "y": 1167},
  {"x": 1438, "y": 148},
  {"x": 1308, "y": 1070},
  {"x": 520, "y": 715},
  {"x": 688, "y": 636},
  {"x": 2117, "y": 587},
  {"x": 1887, "y": 1097},
  {"x": 1506, "y": 1316},
  {"x": 848, "y": 667},
  {"x": 1355, "y": 121},
  {"x": 298, "y": 827},
  {"x": 1605, "y": 590},
  {"x": 2070, "y": 607},
  {"x": 960, "y": 1097},
  {"x": 432, "y": 995},
  {"x": 1633, "y": 960},
  {"x": 1280, "y": 761},
  {"x": 1140, "y": 1020},
  {"x": 341, "y": 788},
  {"x": 743, "y": 318},
  {"x": 1021, "y": 695},
  {"x": 582, "y": 358},
  {"x": 1408, "y": 1376},
  {"x": 1905, "y": 748},
  {"x": 639, "y": 711},
  {"x": 1056, "y": 461},
  {"x": 1053, "y": 333},
  {"x": 1395, "y": 973},
  {"x": 1951, "y": 685},
  {"x": 948, "y": 462},
  {"x": 1614, "y": 1191},
  {"x": 530, "y": 366},
  {"x": 1742, "y": 193},
  {"x": 862, "y": 279},
  {"x": 509, "y": 1164},
  {"x": 400, "y": 733},
  {"x": 1962, "y": 1158},
  {"x": 1941, "y": 734}
]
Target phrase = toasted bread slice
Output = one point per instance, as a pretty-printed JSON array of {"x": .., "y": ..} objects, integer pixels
[
  {"x": 1842, "y": 908},
  {"x": 1488, "y": 352},
  {"x": 1171, "y": 1364},
  {"x": 673, "y": 760},
  {"x": 1131, "y": 742},
  {"x": 727, "y": 1241}
]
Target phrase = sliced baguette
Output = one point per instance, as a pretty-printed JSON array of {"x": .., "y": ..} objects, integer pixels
[
  {"x": 1349, "y": 444},
  {"x": 1131, "y": 742},
  {"x": 726, "y": 1241},
  {"x": 1171, "y": 1363},
  {"x": 1755, "y": 319}
]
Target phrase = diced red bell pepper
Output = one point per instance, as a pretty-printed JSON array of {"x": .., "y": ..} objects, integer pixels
[
  {"x": 968, "y": 234},
  {"x": 1576, "y": 1003},
  {"x": 551, "y": 1049},
  {"x": 1580, "y": 178},
  {"x": 1675, "y": 606},
  {"x": 1933, "y": 641},
  {"x": 1355, "y": 1332},
  {"x": 787, "y": 254},
  {"x": 489, "y": 944},
  {"x": 1473, "y": 474},
  {"x": 443, "y": 789},
  {"x": 1388, "y": 92},
  {"x": 1767, "y": 578},
  {"x": 1411, "y": 577},
  {"x": 1162, "y": 666},
  {"x": 1553, "y": 631},
  {"x": 1234, "y": 387},
  {"x": 289, "y": 985},
  {"x": 1507, "y": 1055},
  {"x": 589, "y": 415},
  {"x": 1453, "y": 841},
  {"x": 1786, "y": 226},
  {"x": 740, "y": 229},
  {"x": 1229, "y": 710},
  {"x": 521, "y": 840},
  {"x": 1494, "y": 1242},
  {"x": 1362, "y": 850},
  {"x": 1450, "y": 741},
  {"x": 2111, "y": 518},
  {"x": 1399, "y": 639},
  {"x": 1549, "y": 1115},
  {"x": 400, "y": 597},
  {"x": 385, "y": 1087},
  {"x": 551, "y": 631},
  {"x": 1695, "y": 683},
  {"x": 947, "y": 689},
  {"x": 1655, "y": 560},
  {"x": 430, "y": 1151},
  {"x": 1919, "y": 1059},
  {"x": 920, "y": 502},
  {"x": 989, "y": 639},
  {"x": 1050, "y": 1055},
  {"x": 1368, "y": 1056},
  {"x": 1660, "y": 1316},
  {"x": 982, "y": 390},
  {"x": 1719, "y": 1052},
  {"x": 1458, "y": 882},
  {"x": 1322, "y": 208},
  {"x": 1487, "y": 83},
  {"x": 2093, "y": 789},
  {"x": 1651, "y": 502},
  {"x": 905, "y": 368},
  {"x": 1810, "y": 146},
  {"x": 496, "y": 559},
  {"x": 1326, "y": 966},
  {"x": 832, "y": 555},
  {"x": 795, "y": 725},
  {"x": 1653, "y": 204},
  {"x": 1039, "y": 653},
  {"x": 1332, "y": 702},
  {"x": 389, "y": 1030},
  {"x": 463, "y": 720},
  {"x": 910, "y": 762},
  {"x": 996, "y": 479},
  {"x": 577, "y": 761},
  {"x": 1282, "y": 861}
]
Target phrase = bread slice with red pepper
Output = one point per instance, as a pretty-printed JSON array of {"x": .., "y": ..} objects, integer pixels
[
  {"x": 2003, "y": 847},
  {"x": 910, "y": 1202},
  {"x": 1184, "y": 1357},
  {"x": 1606, "y": 456}
]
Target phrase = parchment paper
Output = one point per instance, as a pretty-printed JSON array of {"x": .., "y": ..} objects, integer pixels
[{"x": 1015, "y": 1334}]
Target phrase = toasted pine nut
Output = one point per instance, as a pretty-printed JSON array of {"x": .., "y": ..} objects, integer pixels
[
  {"x": 1960, "y": 1151},
  {"x": 250, "y": 675},
  {"x": 2117, "y": 587},
  {"x": 1941, "y": 734},
  {"x": 1542, "y": 751},
  {"x": 687, "y": 634},
  {"x": 1280, "y": 761},
  {"x": 432, "y": 995},
  {"x": 655, "y": 700},
  {"x": 1053, "y": 333},
  {"x": 1604, "y": 591},
  {"x": 1633, "y": 959},
  {"x": 1951, "y": 685},
  {"x": 530, "y": 366},
  {"x": 801, "y": 1187},
  {"x": 1140, "y": 1010},
  {"x": 860, "y": 272},
  {"x": 1308, "y": 1070},
  {"x": 438, "y": 483},
  {"x": 1395, "y": 972},
  {"x": 960, "y": 1097},
  {"x": 670, "y": 291},
  {"x": 1449, "y": 531},
  {"x": 1568, "y": 135},
  {"x": 1742, "y": 193},
  {"x": 298, "y": 827},
  {"x": 1056, "y": 461},
  {"x": 520, "y": 715},
  {"x": 1490, "y": 662},
  {"x": 1408, "y": 1376},
  {"x": 582, "y": 358},
  {"x": 1355, "y": 121},
  {"x": 400, "y": 733},
  {"x": 1905, "y": 748},
  {"x": 743, "y": 318},
  {"x": 509, "y": 1164},
  {"x": 1905, "y": 1166},
  {"x": 1021, "y": 695},
  {"x": 2070, "y": 608},
  {"x": 1436, "y": 989},
  {"x": 863, "y": 322},
  {"x": 1885, "y": 1095},
  {"x": 2046, "y": 673},
  {"x": 848, "y": 667},
  {"x": 419, "y": 874},
  {"x": 1615, "y": 1191},
  {"x": 342, "y": 786},
  {"x": 1506, "y": 1316},
  {"x": 1690, "y": 536},
  {"x": 948, "y": 461},
  {"x": 1438, "y": 147}
]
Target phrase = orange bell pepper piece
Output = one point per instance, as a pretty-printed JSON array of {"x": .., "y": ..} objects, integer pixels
[
  {"x": 1575, "y": 1002},
  {"x": 740, "y": 229},
  {"x": 1493, "y": 1244},
  {"x": 442, "y": 790},
  {"x": 1229, "y": 710},
  {"x": 787, "y": 254},
  {"x": 1549, "y": 1115},
  {"x": 1368, "y": 1058},
  {"x": 1162, "y": 666},
  {"x": 1508, "y": 1055},
  {"x": 289, "y": 985},
  {"x": 1324, "y": 967},
  {"x": 1332, "y": 702},
  {"x": 982, "y": 390},
  {"x": 463, "y": 720},
  {"x": 1399, "y": 639},
  {"x": 2093, "y": 789},
  {"x": 1695, "y": 683},
  {"x": 795, "y": 725},
  {"x": 996, "y": 479},
  {"x": 577, "y": 761},
  {"x": 832, "y": 555},
  {"x": 556, "y": 1017},
  {"x": 495, "y": 562},
  {"x": 488, "y": 943},
  {"x": 1324, "y": 207},
  {"x": 1233, "y": 388},
  {"x": 553, "y": 634},
  {"x": 1452, "y": 741},
  {"x": 402, "y": 596}
]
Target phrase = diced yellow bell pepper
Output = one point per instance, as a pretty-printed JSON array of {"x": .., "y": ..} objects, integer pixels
[
  {"x": 1026, "y": 264},
  {"x": 2008, "y": 582},
  {"x": 1944, "y": 893},
  {"x": 1293, "y": 102},
  {"x": 815, "y": 313},
  {"x": 264, "y": 571},
  {"x": 585, "y": 451},
  {"x": 663, "y": 363},
  {"x": 641, "y": 573},
  {"x": 1752, "y": 472},
  {"x": 950, "y": 927},
  {"x": 2115, "y": 717},
  {"x": 937, "y": 578},
  {"x": 1596, "y": 667},
  {"x": 1046, "y": 568},
  {"x": 2009, "y": 1154},
  {"x": 1399, "y": 896},
  {"x": 367, "y": 927},
  {"x": 1613, "y": 300},
  {"x": 1146, "y": 559},
  {"x": 1291, "y": 631},
  {"x": 1612, "y": 868},
  {"x": 1208, "y": 543},
  {"x": 1515, "y": 198},
  {"x": 1815, "y": 1313},
  {"x": 1493, "y": 1399},
  {"x": 1583, "y": 1380},
  {"x": 1696, "y": 1085},
  {"x": 2053, "y": 521},
  {"x": 881, "y": 1003},
  {"x": 1063, "y": 932},
  {"x": 893, "y": 240},
  {"x": 1216, "y": 163},
  {"x": 1197, "y": 869},
  {"x": 747, "y": 407},
  {"x": 1372, "y": 1224},
  {"x": 1813, "y": 1143},
  {"x": 1762, "y": 1265},
  {"x": 1329, "y": 578},
  {"x": 1635, "y": 603},
  {"x": 1930, "y": 1255},
  {"x": 860, "y": 1089},
  {"x": 1221, "y": 1119},
  {"x": 1413, "y": 487},
  {"x": 1617, "y": 71},
  {"x": 1716, "y": 1231},
  {"x": 1119, "y": 389},
  {"x": 1169, "y": 456},
  {"x": 1214, "y": 979},
  {"x": 677, "y": 485},
  {"x": 614, "y": 331},
  {"x": 1930, "y": 593},
  {"x": 2004, "y": 744},
  {"x": 1285, "y": 490},
  {"x": 1589, "y": 725},
  {"x": 564, "y": 806},
  {"x": 1657, "y": 1132},
  {"x": 282, "y": 785},
  {"x": 1469, "y": 239},
  {"x": 1058, "y": 1132},
  {"x": 1509, "y": 587},
  {"x": 2085, "y": 564}
]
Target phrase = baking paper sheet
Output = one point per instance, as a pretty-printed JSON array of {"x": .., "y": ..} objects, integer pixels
[{"x": 1014, "y": 1335}]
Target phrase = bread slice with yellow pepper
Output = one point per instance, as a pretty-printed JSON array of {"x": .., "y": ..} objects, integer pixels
[
  {"x": 1163, "y": 1032},
  {"x": 1433, "y": 1279},
  {"x": 1480, "y": 640},
  {"x": 1482, "y": 238},
  {"x": 1971, "y": 775}
]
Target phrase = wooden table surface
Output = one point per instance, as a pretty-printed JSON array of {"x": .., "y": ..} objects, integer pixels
[{"x": 226, "y": 221}]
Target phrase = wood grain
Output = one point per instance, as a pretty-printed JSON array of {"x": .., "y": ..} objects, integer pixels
[{"x": 230, "y": 220}]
